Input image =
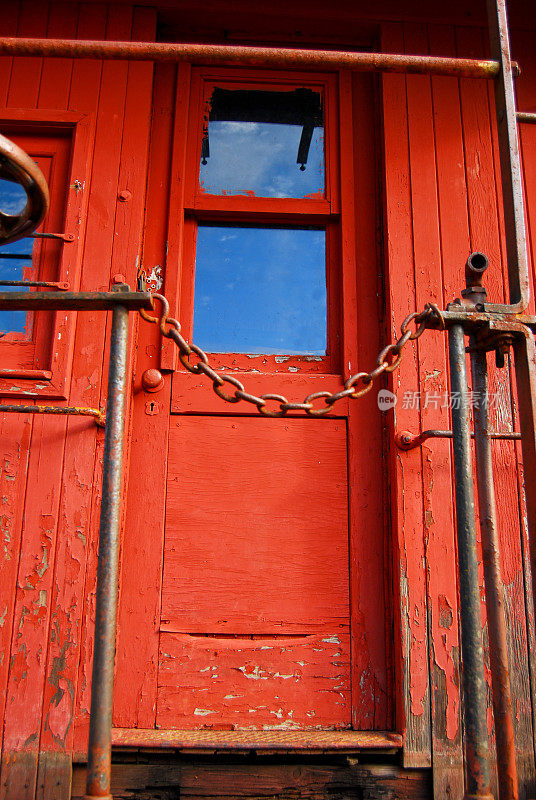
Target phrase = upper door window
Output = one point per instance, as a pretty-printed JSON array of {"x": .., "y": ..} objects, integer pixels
[
  {"x": 261, "y": 208},
  {"x": 263, "y": 143}
]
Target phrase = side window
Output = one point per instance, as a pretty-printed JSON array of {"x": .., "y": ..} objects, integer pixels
[
  {"x": 36, "y": 348},
  {"x": 25, "y": 337},
  {"x": 261, "y": 219}
]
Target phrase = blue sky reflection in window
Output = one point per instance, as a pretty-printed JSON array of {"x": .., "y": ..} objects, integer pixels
[
  {"x": 15, "y": 258},
  {"x": 260, "y": 290},
  {"x": 263, "y": 143}
]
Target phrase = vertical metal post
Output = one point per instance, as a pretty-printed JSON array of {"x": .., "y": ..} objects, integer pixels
[
  {"x": 512, "y": 186},
  {"x": 100, "y": 726},
  {"x": 474, "y": 686},
  {"x": 516, "y": 249},
  {"x": 498, "y": 648},
  {"x": 525, "y": 362}
]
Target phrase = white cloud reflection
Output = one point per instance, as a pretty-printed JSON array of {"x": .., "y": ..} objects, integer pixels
[{"x": 260, "y": 157}]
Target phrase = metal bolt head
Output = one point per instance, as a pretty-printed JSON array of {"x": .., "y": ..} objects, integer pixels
[
  {"x": 152, "y": 380},
  {"x": 124, "y": 195}
]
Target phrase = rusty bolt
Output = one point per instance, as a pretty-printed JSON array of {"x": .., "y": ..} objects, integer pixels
[
  {"x": 152, "y": 380},
  {"x": 124, "y": 195}
]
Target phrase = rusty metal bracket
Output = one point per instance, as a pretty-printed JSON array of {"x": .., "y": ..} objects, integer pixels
[
  {"x": 63, "y": 286},
  {"x": 405, "y": 440},
  {"x": 63, "y": 237},
  {"x": 71, "y": 411}
]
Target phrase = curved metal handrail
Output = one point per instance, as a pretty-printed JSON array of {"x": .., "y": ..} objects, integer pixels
[{"x": 19, "y": 167}]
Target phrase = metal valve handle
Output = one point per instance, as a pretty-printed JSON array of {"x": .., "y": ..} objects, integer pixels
[{"x": 18, "y": 166}]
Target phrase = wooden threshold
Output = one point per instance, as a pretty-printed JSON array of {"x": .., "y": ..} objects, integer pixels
[{"x": 272, "y": 741}]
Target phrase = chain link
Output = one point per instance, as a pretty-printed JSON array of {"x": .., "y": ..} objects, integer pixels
[{"x": 356, "y": 386}]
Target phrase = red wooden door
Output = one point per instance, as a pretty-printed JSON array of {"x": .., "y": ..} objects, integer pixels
[{"x": 271, "y": 565}]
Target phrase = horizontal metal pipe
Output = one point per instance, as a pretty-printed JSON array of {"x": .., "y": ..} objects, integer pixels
[
  {"x": 252, "y": 56},
  {"x": 407, "y": 441},
  {"x": 65, "y": 301},
  {"x": 526, "y": 116}
]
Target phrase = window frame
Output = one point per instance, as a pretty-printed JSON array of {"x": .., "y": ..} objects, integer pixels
[
  {"x": 189, "y": 393},
  {"x": 199, "y": 202},
  {"x": 188, "y": 206},
  {"x": 54, "y": 339},
  {"x": 200, "y": 206}
]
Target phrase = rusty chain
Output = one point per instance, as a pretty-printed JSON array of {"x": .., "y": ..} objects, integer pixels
[{"x": 356, "y": 386}]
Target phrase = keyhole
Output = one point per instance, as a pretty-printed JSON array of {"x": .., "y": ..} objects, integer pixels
[{"x": 152, "y": 406}]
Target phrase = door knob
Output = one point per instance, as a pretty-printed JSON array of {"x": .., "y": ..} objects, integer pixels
[{"x": 152, "y": 380}]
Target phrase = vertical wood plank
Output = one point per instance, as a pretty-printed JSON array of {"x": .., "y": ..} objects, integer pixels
[
  {"x": 139, "y": 610},
  {"x": 126, "y": 259},
  {"x": 32, "y": 611},
  {"x": 526, "y": 100},
  {"x": 32, "y": 598},
  {"x": 447, "y": 759},
  {"x": 369, "y": 566},
  {"x": 519, "y": 610},
  {"x": 178, "y": 229},
  {"x": 454, "y": 233},
  {"x": 56, "y": 72},
  {"x": 92, "y": 328},
  {"x": 76, "y": 491},
  {"x": 526, "y": 97},
  {"x": 26, "y": 71},
  {"x": 15, "y": 435},
  {"x": 8, "y": 27},
  {"x": 407, "y": 503}
]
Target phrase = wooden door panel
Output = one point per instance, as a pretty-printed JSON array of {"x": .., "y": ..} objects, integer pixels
[
  {"x": 256, "y": 526},
  {"x": 193, "y": 393},
  {"x": 273, "y": 683},
  {"x": 251, "y": 590}
]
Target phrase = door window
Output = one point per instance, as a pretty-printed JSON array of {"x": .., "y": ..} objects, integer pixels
[
  {"x": 263, "y": 143},
  {"x": 261, "y": 221},
  {"x": 260, "y": 289}
]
